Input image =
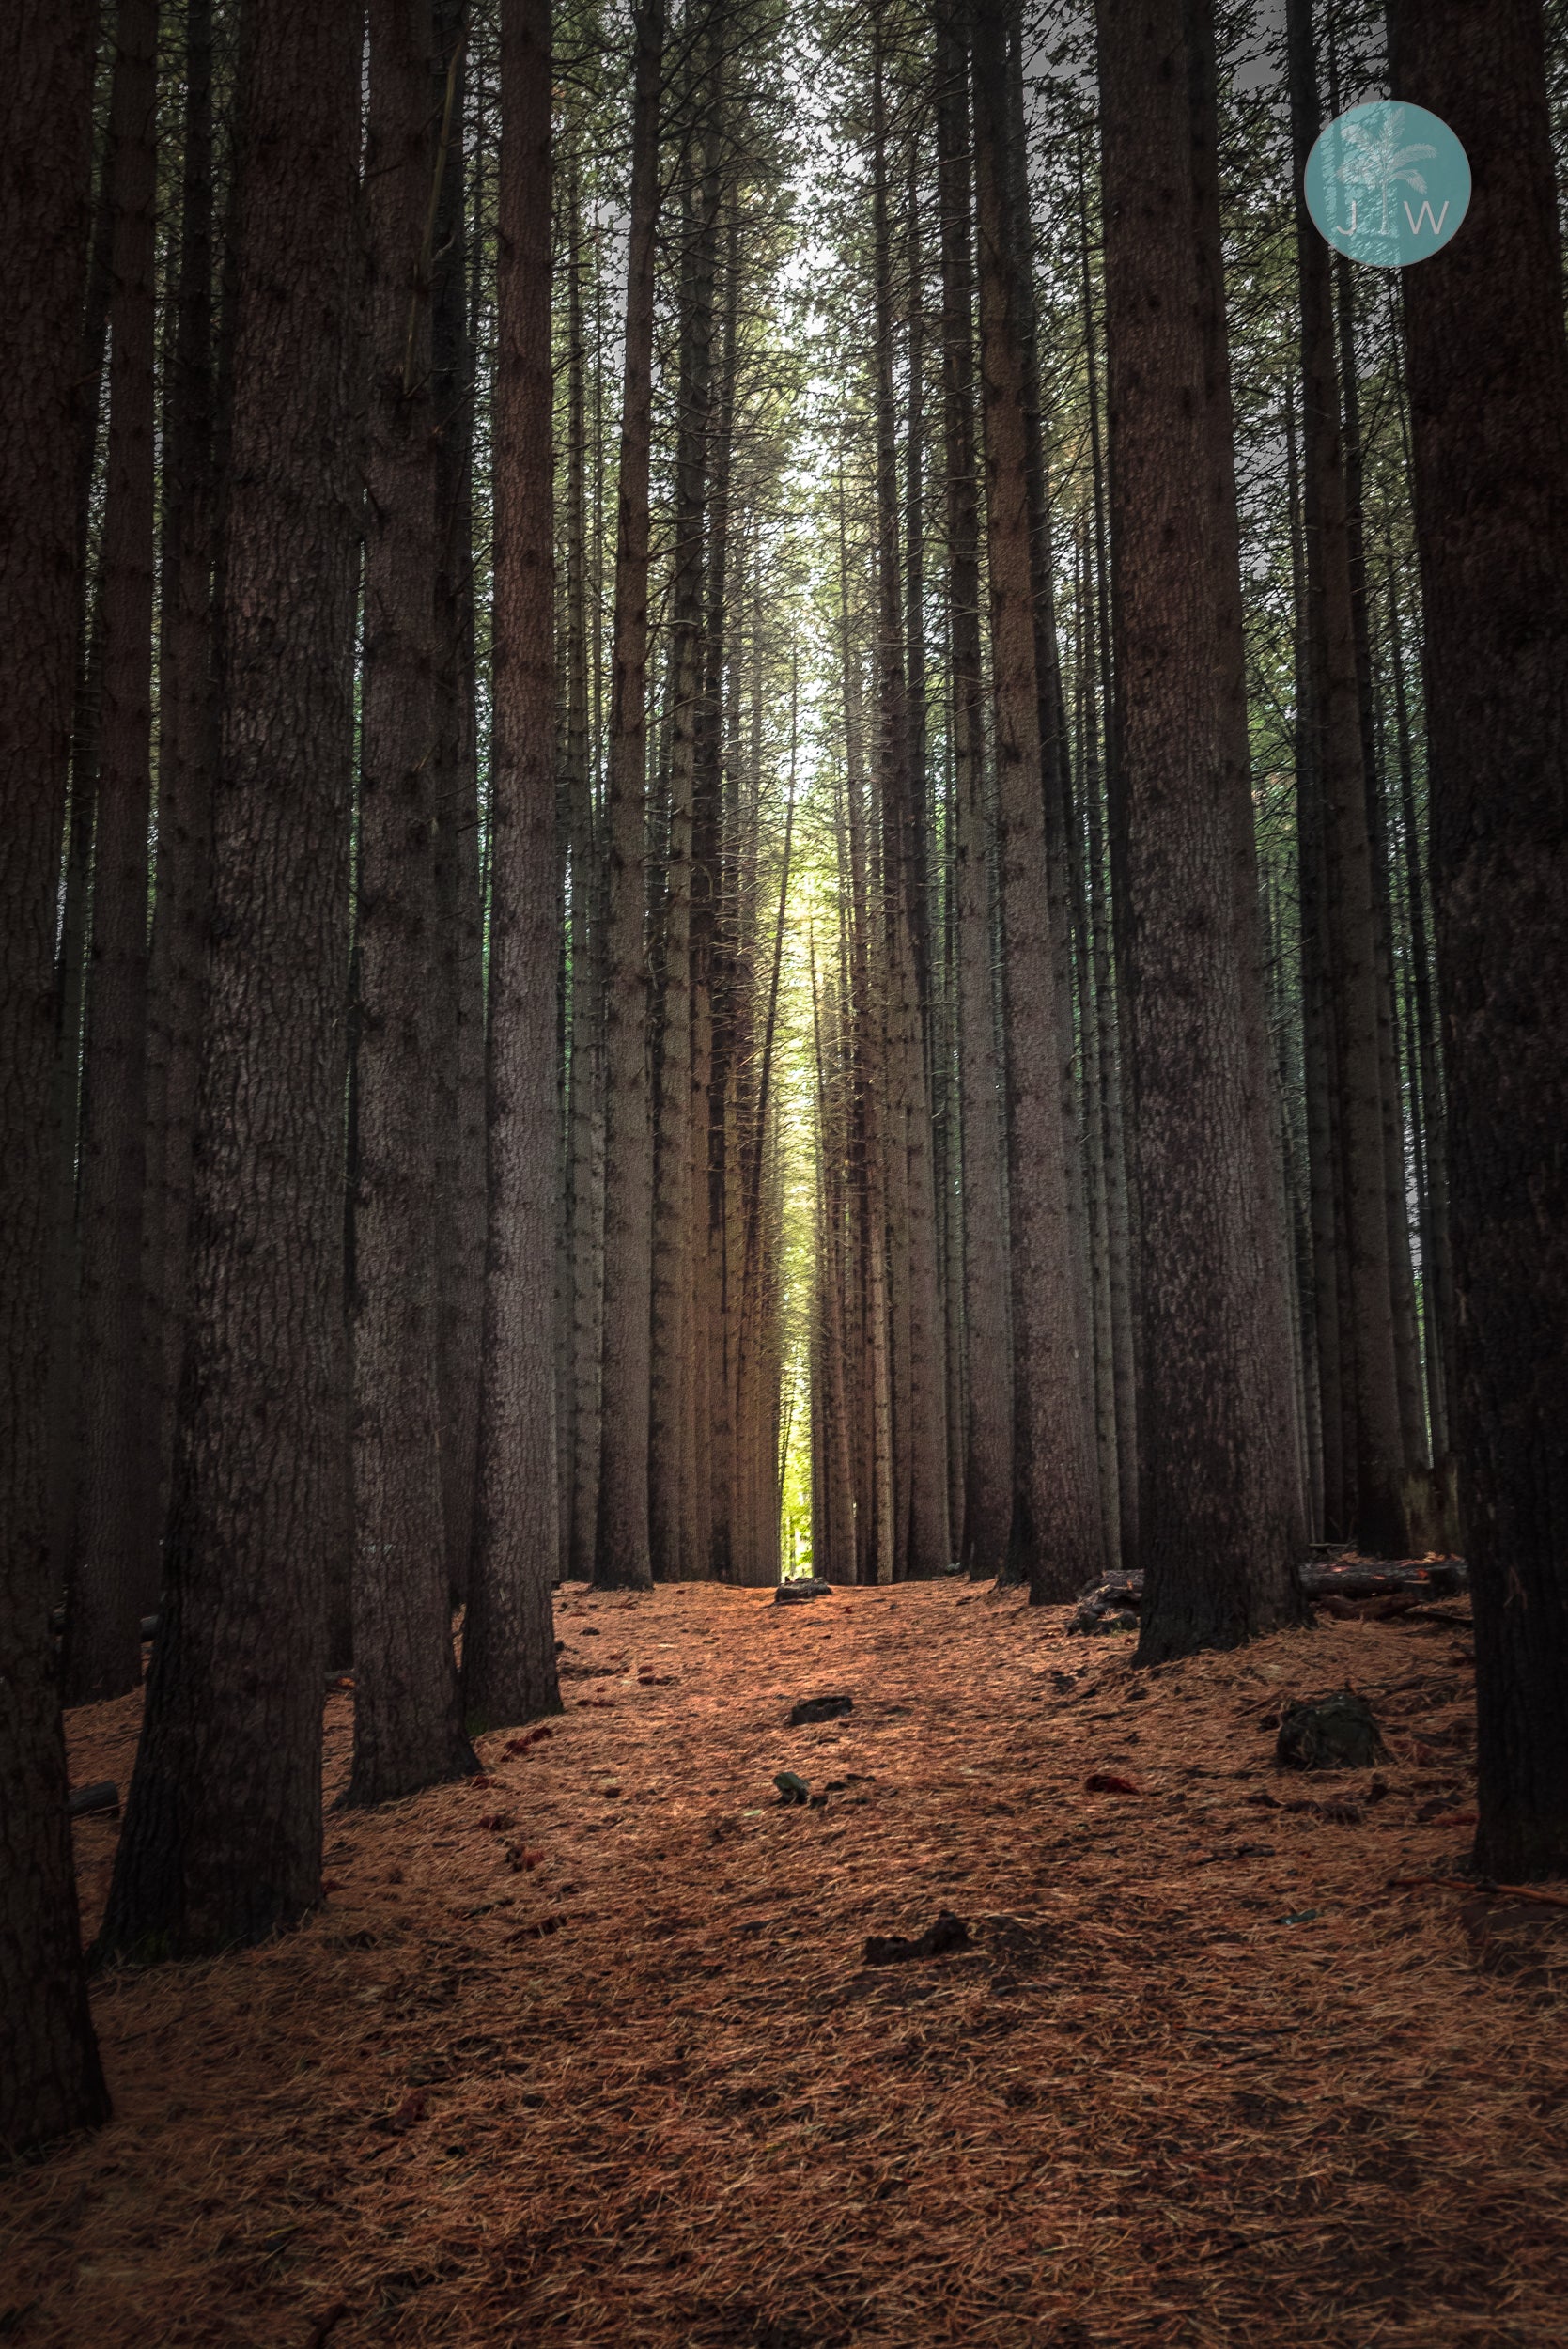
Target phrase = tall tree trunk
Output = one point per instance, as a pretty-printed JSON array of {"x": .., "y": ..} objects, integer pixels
[
  {"x": 988, "y": 1464},
  {"x": 1058, "y": 1533},
  {"x": 919, "y": 1432},
  {"x": 1382, "y": 1525},
  {"x": 407, "y": 1730},
  {"x": 50, "y": 2081},
  {"x": 187, "y": 753},
  {"x": 1109, "y": 989},
  {"x": 622, "y": 1558},
  {"x": 582, "y": 942},
  {"x": 673, "y": 1196},
  {"x": 115, "y": 1570},
  {"x": 459, "y": 952},
  {"x": 1219, "y": 1503},
  {"x": 706, "y": 841},
  {"x": 1488, "y": 375},
  {"x": 508, "y": 1646},
  {"x": 222, "y": 1843},
  {"x": 1436, "y": 1259}
]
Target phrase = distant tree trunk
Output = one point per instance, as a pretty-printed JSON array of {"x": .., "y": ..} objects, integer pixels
[
  {"x": 222, "y": 1843},
  {"x": 115, "y": 1570},
  {"x": 459, "y": 955},
  {"x": 508, "y": 1647},
  {"x": 1058, "y": 1535},
  {"x": 1382, "y": 1525},
  {"x": 1488, "y": 375},
  {"x": 707, "y": 843},
  {"x": 187, "y": 753},
  {"x": 1437, "y": 1257},
  {"x": 407, "y": 1730},
  {"x": 989, "y": 1466},
  {"x": 669, "y": 1464},
  {"x": 1219, "y": 1501},
  {"x": 50, "y": 2082},
  {"x": 622, "y": 1558},
  {"x": 920, "y": 1430}
]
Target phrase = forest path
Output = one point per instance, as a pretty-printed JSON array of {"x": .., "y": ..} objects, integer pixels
[{"x": 1202, "y": 2077}]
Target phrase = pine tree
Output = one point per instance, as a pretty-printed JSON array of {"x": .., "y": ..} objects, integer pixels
[
  {"x": 1488, "y": 376},
  {"x": 508, "y": 1647},
  {"x": 222, "y": 1841},
  {"x": 50, "y": 2081}
]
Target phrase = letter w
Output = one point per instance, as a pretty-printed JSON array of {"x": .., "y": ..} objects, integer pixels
[{"x": 1417, "y": 220}]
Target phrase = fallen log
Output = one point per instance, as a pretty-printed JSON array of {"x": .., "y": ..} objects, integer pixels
[{"x": 91, "y": 1802}]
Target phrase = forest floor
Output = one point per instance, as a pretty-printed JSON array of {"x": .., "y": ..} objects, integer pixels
[{"x": 585, "y": 2052}]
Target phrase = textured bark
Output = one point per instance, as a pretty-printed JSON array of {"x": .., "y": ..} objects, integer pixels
[
  {"x": 583, "y": 936},
  {"x": 50, "y": 2078},
  {"x": 1432, "y": 1125},
  {"x": 1382, "y": 1525},
  {"x": 622, "y": 1555},
  {"x": 508, "y": 1646},
  {"x": 706, "y": 829},
  {"x": 832, "y": 1467},
  {"x": 878, "y": 1523},
  {"x": 460, "y": 1075},
  {"x": 1218, "y": 1501},
  {"x": 75, "y": 915},
  {"x": 116, "y": 1571},
  {"x": 1488, "y": 376},
  {"x": 1109, "y": 990},
  {"x": 187, "y": 756},
  {"x": 669, "y": 1464},
  {"x": 223, "y": 1832},
  {"x": 988, "y": 1461},
  {"x": 408, "y": 1730},
  {"x": 1058, "y": 1533}
]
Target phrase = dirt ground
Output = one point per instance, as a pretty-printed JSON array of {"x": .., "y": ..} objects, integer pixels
[{"x": 585, "y": 2052}]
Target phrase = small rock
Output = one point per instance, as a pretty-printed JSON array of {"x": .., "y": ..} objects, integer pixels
[
  {"x": 792, "y": 1786},
  {"x": 894, "y": 1948},
  {"x": 1337, "y": 1732},
  {"x": 819, "y": 1709}
]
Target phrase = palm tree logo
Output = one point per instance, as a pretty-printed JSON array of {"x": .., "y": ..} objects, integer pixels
[{"x": 1376, "y": 159}]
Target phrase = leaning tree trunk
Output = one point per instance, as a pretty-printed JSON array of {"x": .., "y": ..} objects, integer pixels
[
  {"x": 1057, "y": 1532},
  {"x": 222, "y": 1841},
  {"x": 508, "y": 1646},
  {"x": 1488, "y": 374},
  {"x": 50, "y": 2078},
  {"x": 114, "y": 1578},
  {"x": 622, "y": 1553},
  {"x": 407, "y": 1730},
  {"x": 1218, "y": 1499}
]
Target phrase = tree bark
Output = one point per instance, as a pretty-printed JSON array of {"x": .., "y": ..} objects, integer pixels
[
  {"x": 187, "y": 755},
  {"x": 459, "y": 972},
  {"x": 408, "y": 1729},
  {"x": 222, "y": 1839},
  {"x": 1219, "y": 1503},
  {"x": 622, "y": 1558},
  {"x": 989, "y": 1462},
  {"x": 50, "y": 2081},
  {"x": 508, "y": 1646},
  {"x": 1488, "y": 375},
  {"x": 116, "y": 1571},
  {"x": 1382, "y": 1524},
  {"x": 1058, "y": 1533}
]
